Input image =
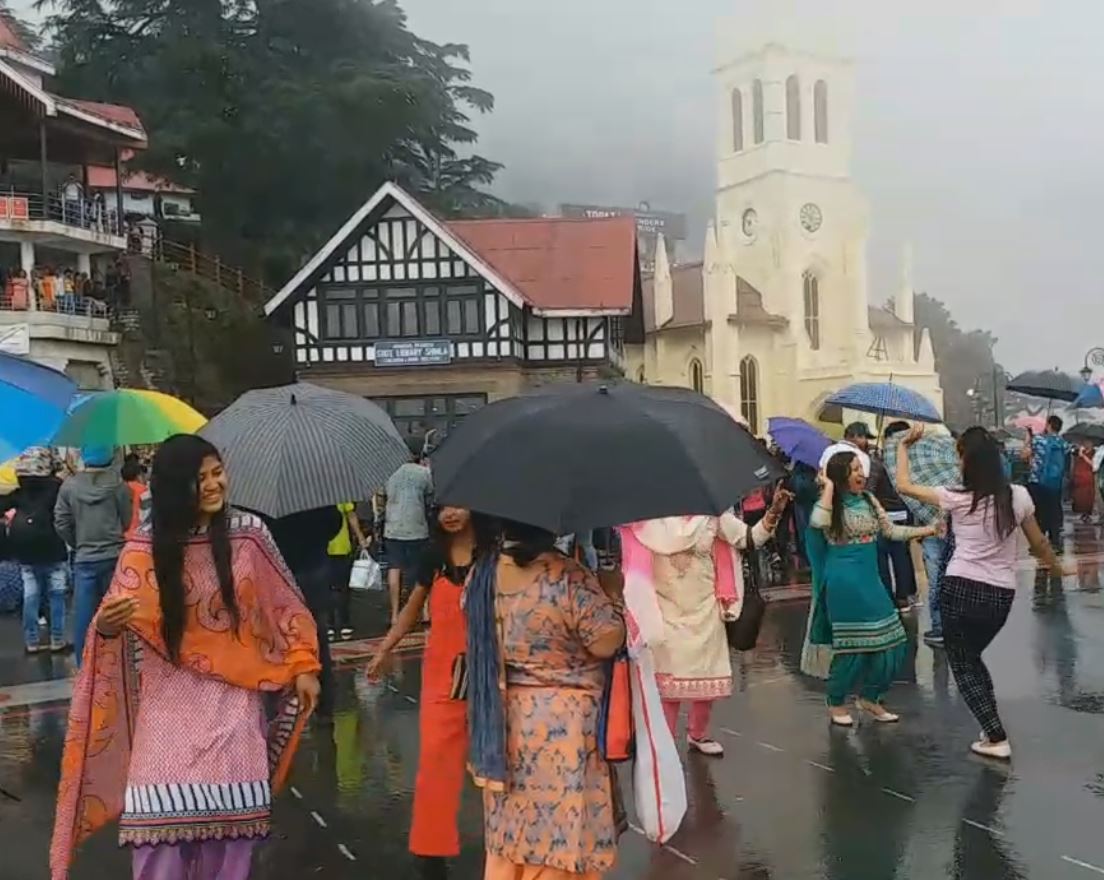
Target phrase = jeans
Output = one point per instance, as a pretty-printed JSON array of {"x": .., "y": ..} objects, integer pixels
[
  {"x": 896, "y": 555},
  {"x": 1048, "y": 511},
  {"x": 51, "y": 578},
  {"x": 933, "y": 549},
  {"x": 90, "y": 582}
]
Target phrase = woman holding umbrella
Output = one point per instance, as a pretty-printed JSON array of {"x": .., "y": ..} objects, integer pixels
[{"x": 853, "y": 607}]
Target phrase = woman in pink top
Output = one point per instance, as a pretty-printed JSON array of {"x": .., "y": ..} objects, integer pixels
[{"x": 977, "y": 591}]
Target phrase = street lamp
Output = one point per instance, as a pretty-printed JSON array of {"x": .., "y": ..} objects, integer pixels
[{"x": 1094, "y": 357}]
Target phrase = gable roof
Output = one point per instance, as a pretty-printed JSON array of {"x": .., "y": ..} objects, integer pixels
[
  {"x": 560, "y": 264},
  {"x": 547, "y": 265},
  {"x": 687, "y": 299}
]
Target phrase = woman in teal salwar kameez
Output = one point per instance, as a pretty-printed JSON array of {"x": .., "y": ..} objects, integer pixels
[{"x": 852, "y": 610}]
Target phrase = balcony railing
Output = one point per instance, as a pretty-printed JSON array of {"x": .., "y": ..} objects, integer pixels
[
  {"x": 64, "y": 304},
  {"x": 91, "y": 214}
]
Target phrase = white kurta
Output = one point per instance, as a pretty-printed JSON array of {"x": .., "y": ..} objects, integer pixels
[{"x": 692, "y": 660}]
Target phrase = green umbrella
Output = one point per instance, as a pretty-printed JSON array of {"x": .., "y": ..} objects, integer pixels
[{"x": 127, "y": 417}]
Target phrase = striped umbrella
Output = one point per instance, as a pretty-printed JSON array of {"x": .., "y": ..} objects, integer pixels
[
  {"x": 886, "y": 399},
  {"x": 299, "y": 447}
]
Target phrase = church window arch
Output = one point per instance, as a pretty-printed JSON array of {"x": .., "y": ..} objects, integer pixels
[
  {"x": 757, "y": 111},
  {"x": 811, "y": 297},
  {"x": 697, "y": 375},
  {"x": 793, "y": 107},
  {"x": 820, "y": 111},
  {"x": 737, "y": 120},
  {"x": 749, "y": 392}
]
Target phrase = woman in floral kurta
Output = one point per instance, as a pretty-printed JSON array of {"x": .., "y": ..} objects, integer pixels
[{"x": 554, "y": 817}]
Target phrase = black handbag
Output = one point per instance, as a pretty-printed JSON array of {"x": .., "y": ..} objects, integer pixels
[{"x": 743, "y": 632}]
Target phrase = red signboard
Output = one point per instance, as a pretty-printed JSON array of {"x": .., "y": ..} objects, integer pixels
[{"x": 14, "y": 208}]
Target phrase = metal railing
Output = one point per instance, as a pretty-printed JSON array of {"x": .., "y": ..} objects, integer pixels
[
  {"x": 65, "y": 304},
  {"x": 92, "y": 214},
  {"x": 188, "y": 258}
]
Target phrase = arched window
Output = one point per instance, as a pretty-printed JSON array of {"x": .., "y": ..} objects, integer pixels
[
  {"x": 737, "y": 120},
  {"x": 820, "y": 111},
  {"x": 697, "y": 375},
  {"x": 757, "y": 110},
  {"x": 812, "y": 309},
  {"x": 793, "y": 107},
  {"x": 749, "y": 393}
]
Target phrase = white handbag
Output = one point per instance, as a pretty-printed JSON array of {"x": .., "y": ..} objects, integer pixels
[{"x": 366, "y": 573}]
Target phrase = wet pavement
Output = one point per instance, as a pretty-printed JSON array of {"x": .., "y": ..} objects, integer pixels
[{"x": 791, "y": 799}]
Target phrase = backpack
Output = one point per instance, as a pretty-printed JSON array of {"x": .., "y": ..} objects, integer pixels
[{"x": 1053, "y": 470}]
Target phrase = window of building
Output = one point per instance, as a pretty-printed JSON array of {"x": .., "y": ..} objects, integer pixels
[
  {"x": 812, "y": 309},
  {"x": 820, "y": 111},
  {"x": 416, "y": 416},
  {"x": 697, "y": 375},
  {"x": 749, "y": 392},
  {"x": 757, "y": 110},
  {"x": 384, "y": 312},
  {"x": 737, "y": 120},
  {"x": 793, "y": 108}
]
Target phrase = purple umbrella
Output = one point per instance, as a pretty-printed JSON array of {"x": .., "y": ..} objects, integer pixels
[{"x": 798, "y": 439}]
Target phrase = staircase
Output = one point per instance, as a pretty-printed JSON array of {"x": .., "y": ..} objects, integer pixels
[{"x": 186, "y": 258}]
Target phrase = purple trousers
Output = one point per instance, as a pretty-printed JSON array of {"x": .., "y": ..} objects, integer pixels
[{"x": 205, "y": 860}]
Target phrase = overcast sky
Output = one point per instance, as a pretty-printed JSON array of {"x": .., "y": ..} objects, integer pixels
[{"x": 979, "y": 132}]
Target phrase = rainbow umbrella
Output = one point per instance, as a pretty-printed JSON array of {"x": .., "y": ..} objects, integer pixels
[
  {"x": 127, "y": 417},
  {"x": 8, "y": 478}
]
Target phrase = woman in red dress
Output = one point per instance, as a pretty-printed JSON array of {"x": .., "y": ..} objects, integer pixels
[
  {"x": 443, "y": 720},
  {"x": 1083, "y": 482}
]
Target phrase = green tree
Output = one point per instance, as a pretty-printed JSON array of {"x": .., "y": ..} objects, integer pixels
[
  {"x": 970, "y": 376},
  {"x": 283, "y": 115}
]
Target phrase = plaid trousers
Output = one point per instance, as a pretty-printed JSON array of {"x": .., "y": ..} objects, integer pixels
[{"x": 973, "y": 614}]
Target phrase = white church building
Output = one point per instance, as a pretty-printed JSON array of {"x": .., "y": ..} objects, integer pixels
[{"x": 778, "y": 314}]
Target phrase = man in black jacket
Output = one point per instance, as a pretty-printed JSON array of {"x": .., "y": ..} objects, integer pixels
[
  {"x": 34, "y": 543},
  {"x": 894, "y": 558}
]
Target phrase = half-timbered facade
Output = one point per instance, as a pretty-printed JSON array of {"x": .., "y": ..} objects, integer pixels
[{"x": 434, "y": 318}]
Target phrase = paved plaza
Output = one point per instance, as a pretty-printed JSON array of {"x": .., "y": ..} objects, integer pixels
[{"x": 792, "y": 799}]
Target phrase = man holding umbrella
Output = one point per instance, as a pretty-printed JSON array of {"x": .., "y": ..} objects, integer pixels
[{"x": 1048, "y": 454}]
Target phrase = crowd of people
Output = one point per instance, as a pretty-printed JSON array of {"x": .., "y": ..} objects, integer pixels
[
  {"x": 67, "y": 290},
  {"x": 195, "y": 618}
]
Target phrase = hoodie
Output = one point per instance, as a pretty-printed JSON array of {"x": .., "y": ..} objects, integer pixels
[{"x": 93, "y": 511}]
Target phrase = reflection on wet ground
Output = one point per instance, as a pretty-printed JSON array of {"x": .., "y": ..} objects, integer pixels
[{"x": 792, "y": 799}]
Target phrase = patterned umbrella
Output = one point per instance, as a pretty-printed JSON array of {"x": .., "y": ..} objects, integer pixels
[
  {"x": 886, "y": 399},
  {"x": 798, "y": 439},
  {"x": 299, "y": 447},
  {"x": 33, "y": 399}
]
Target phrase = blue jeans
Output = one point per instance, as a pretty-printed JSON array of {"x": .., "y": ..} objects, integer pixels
[
  {"x": 90, "y": 583},
  {"x": 933, "y": 549},
  {"x": 51, "y": 578}
]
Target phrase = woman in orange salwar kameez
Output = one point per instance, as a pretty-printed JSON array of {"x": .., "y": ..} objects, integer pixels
[
  {"x": 540, "y": 629},
  {"x": 443, "y": 718},
  {"x": 167, "y": 727}
]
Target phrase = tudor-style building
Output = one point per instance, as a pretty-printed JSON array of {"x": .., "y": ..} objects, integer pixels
[{"x": 435, "y": 318}]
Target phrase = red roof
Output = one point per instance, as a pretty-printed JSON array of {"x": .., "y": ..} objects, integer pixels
[
  {"x": 9, "y": 39},
  {"x": 114, "y": 113},
  {"x": 559, "y": 263},
  {"x": 103, "y": 177}
]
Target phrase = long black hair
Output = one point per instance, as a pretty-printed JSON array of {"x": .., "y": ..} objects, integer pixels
[
  {"x": 838, "y": 470},
  {"x": 174, "y": 515},
  {"x": 524, "y": 543},
  {"x": 983, "y": 477}
]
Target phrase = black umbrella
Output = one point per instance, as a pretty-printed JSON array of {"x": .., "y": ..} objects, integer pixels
[
  {"x": 299, "y": 447},
  {"x": 574, "y": 457},
  {"x": 1090, "y": 431},
  {"x": 1050, "y": 384}
]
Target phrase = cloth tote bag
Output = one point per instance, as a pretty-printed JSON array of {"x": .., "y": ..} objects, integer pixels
[
  {"x": 659, "y": 787},
  {"x": 366, "y": 574}
]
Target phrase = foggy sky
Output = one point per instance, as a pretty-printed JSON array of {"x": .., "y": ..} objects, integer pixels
[{"x": 978, "y": 135}]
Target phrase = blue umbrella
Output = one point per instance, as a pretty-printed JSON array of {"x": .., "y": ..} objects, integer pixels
[
  {"x": 33, "y": 401},
  {"x": 886, "y": 399},
  {"x": 798, "y": 439},
  {"x": 1091, "y": 396}
]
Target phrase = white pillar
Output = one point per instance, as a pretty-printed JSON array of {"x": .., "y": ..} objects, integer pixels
[
  {"x": 84, "y": 264},
  {"x": 27, "y": 256}
]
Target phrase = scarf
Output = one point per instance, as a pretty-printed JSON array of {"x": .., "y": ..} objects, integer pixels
[
  {"x": 486, "y": 716},
  {"x": 641, "y": 541},
  {"x": 276, "y": 642}
]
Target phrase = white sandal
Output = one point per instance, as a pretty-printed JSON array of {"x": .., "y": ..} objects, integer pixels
[{"x": 882, "y": 715}]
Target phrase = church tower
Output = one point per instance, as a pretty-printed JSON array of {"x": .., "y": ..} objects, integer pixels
[{"x": 790, "y": 222}]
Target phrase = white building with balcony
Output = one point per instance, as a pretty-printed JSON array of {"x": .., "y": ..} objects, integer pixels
[{"x": 55, "y": 229}]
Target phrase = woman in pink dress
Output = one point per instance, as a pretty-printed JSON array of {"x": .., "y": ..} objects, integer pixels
[{"x": 167, "y": 727}]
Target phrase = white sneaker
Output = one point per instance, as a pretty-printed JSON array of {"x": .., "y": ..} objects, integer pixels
[
  {"x": 1002, "y": 750},
  {"x": 706, "y": 746}
]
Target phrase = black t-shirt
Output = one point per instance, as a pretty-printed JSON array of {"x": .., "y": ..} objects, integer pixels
[{"x": 433, "y": 564}]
